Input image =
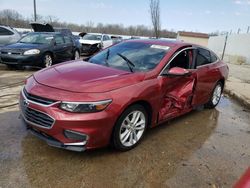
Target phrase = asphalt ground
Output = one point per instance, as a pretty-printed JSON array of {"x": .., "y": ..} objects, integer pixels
[{"x": 206, "y": 148}]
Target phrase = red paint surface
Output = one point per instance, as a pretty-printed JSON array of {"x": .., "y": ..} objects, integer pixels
[
  {"x": 79, "y": 81},
  {"x": 244, "y": 181}
]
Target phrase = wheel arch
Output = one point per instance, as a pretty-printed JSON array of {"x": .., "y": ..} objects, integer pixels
[
  {"x": 146, "y": 105},
  {"x": 51, "y": 53},
  {"x": 222, "y": 81}
]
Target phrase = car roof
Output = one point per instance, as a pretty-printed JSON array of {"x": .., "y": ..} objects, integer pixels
[
  {"x": 49, "y": 33},
  {"x": 170, "y": 43}
]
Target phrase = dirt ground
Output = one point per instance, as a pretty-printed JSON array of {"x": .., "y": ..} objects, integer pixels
[{"x": 207, "y": 148}]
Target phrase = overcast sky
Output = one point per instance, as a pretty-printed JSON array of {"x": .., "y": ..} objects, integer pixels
[{"x": 189, "y": 15}]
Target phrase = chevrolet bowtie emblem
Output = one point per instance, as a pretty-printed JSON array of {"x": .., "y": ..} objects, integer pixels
[{"x": 25, "y": 103}]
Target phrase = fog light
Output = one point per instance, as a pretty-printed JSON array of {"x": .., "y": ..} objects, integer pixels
[{"x": 75, "y": 135}]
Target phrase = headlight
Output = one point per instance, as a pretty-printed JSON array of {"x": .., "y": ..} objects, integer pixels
[
  {"x": 31, "y": 52},
  {"x": 85, "y": 107}
]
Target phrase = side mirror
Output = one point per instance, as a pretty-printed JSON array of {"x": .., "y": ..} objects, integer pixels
[
  {"x": 54, "y": 43},
  {"x": 177, "y": 72}
]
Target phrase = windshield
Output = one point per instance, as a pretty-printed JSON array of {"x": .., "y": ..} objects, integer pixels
[
  {"x": 37, "y": 38},
  {"x": 92, "y": 37},
  {"x": 138, "y": 56}
]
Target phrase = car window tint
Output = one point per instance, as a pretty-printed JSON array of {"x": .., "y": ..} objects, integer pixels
[
  {"x": 59, "y": 39},
  {"x": 4, "y": 31},
  {"x": 203, "y": 57},
  {"x": 213, "y": 57},
  {"x": 67, "y": 39}
]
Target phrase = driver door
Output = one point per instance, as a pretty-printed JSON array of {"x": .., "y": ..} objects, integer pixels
[{"x": 177, "y": 90}]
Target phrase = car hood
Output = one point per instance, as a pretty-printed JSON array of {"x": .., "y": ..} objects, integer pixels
[
  {"x": 24, "y": 46},
  {"x": 84, "y": 77},
  {"x": 82, "y": 41},
  {"x": 42, "y": 27}
]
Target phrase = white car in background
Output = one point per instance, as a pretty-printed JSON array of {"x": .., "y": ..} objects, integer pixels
[
  {"x": 93, "y": 42},
  {"x": 8, "y": 35}
]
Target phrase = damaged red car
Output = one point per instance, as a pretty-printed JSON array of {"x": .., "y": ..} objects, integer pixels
[{"x": 117, "y": 94}]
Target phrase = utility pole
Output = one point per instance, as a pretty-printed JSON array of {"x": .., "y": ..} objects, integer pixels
[
  {"x": 238, "y": 31},
  {"x": 34, "y": 2},
  {"x": 224, "y": 48}
]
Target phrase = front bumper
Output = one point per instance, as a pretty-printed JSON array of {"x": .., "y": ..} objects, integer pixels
[
  {"x": 96, "y": 126},
  {"x": 78, "y": 146},
  {"x": 88, "y": 49},
  {"x": 31, "y": 60}
]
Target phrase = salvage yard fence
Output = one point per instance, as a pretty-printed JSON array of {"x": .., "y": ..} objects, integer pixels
[{"x": 235, "y": 47}]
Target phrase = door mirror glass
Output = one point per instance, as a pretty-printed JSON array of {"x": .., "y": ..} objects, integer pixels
[{"x": 177, "y": 71}]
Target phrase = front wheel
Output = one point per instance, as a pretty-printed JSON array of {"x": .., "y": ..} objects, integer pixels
[
  {"x": 216, "y": 96},
  {"x": 130, "y": 128},
  {"x": 47, "y": 60},
  {"x": 76, "y": 55}
]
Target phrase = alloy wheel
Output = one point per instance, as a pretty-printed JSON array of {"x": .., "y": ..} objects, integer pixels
[
  {"x": 77, "y": 55},
  {"x": 217, "y": 94},
  {"x": 47, "y": 60},
  {"x": 132, "y": 128}
]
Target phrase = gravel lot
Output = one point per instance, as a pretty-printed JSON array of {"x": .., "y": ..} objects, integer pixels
[{"x": 208, "y": 148}]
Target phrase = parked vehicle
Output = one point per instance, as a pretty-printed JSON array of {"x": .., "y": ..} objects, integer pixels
[
  {"x": 94, "y": 42},
  {"x": 8, "y": 35},
  {"x": 116, "y": 39},
  {"x": 40, "y": 49},
  {"x": 120, "y": 93},
  {"x": 45, "y": 27}
]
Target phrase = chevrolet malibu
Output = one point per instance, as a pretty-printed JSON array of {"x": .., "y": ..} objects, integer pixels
[{"x": 117, "y": 94}]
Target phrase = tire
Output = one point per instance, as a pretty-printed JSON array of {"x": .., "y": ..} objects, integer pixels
[
  {"x": 216, "y": 96},
  {"x": 130, "y": 128},
  {"x": 47, "y": 60},
  {"x": 76, "y": 55}
]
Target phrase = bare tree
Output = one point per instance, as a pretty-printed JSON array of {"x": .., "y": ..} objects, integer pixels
[{"x": 155, "y": 16}]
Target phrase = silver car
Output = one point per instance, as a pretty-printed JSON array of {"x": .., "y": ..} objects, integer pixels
[{"x": 8, "y": 35}]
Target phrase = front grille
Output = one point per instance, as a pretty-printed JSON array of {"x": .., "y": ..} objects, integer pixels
[
  {"x": 12, "y": 53},
  {"x": 86, "y": 46},
  {"x": 35, "y": 117},
  {"x": 38, "y": 99}
]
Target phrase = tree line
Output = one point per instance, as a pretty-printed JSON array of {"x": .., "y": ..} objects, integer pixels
[{"x": 15, "y": 19}]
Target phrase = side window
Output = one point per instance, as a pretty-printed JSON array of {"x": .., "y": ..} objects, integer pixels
[
  {"x": 213, "y": 57},
  {"x": 105, "y": 37},
  {"x": 184, "y": 60},
  {"x": 59, "y": 39},
  {"x": 67, "y": 39},
  {"x": 203, "y": 57},
  {"x": 4, "y": 31}
]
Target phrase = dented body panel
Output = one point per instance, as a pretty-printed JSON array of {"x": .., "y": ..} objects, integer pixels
[{"x": 164, "y": 94}]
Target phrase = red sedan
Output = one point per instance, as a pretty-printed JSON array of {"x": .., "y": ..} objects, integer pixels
[{"x": 119, "y": 93}]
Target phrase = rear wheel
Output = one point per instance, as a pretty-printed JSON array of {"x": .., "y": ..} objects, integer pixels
[
  {"x": 216, "y": 96},
  {"x": 130, "y": 128},
  {"x": 47, "y": 60}
]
